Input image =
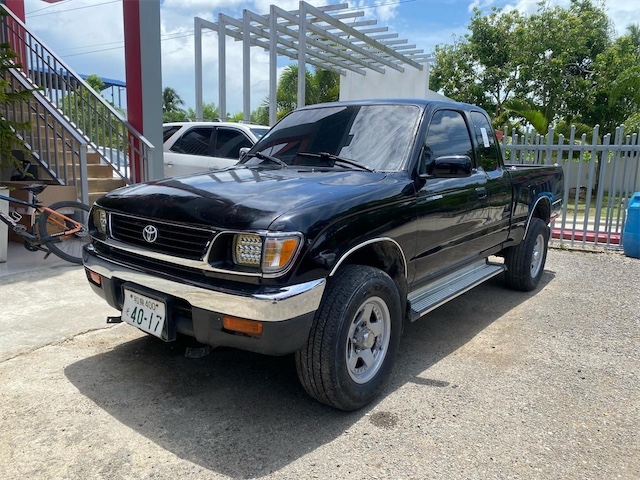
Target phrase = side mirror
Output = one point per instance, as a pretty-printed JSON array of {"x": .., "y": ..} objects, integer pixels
[
  {"x": 452, "y": 166},
  {"x": 243, "y": 152}
]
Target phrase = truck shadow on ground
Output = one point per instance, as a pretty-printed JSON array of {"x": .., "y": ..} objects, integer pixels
[{"x": 245, "y": 415}]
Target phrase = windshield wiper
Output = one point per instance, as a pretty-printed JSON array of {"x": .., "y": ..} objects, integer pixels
[
  {"x": 336, "y": 159},
  {"x": 262, "y": 156}
]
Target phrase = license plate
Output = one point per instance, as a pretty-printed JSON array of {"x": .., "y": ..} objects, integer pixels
[{"x": 148, "y": 314}]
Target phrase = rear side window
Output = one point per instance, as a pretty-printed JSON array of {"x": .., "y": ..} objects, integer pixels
[
  {"x": 229, "y": 142},
  {"x": 167, "y": 132},
  {"x": 194, "y": 142},
  {"x": 447, "y": 135},
  {"x": 486, "y": 147}
]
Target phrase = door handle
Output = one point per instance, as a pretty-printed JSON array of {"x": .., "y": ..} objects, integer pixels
[{"x": 481, "y": 192}]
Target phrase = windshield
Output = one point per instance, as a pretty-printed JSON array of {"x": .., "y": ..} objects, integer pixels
[
  {"x": 259, "y": 132},
  {"x": 377, "y": 136}
]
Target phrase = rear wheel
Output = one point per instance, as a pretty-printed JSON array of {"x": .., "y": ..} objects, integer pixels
[
  {"x": 353, "y": 340},
  {"x": 67, "y": 247},
  {"x": 525, "y": 262}
]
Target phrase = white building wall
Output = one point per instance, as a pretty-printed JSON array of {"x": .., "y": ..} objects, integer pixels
[{"x": 411, "y": 83}]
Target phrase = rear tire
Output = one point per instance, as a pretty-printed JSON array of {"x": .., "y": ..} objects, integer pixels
[
  {"x": 353, "y": 340},
  {"x": 67, "y": 248},
  {"x": 525, "y": 262}
]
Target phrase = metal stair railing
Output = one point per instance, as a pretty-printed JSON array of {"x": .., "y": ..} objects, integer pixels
[
  {"x": 51, "y": 140},
  {"x": 106, "y": 130}
]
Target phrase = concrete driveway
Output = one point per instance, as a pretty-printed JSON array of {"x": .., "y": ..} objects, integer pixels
[{"x": 496, "y": 384}]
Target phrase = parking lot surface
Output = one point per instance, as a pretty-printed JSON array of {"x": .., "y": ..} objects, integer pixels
[{"x": 495, "y": 384}]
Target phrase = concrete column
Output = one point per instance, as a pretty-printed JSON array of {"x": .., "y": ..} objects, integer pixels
[
  {"x": 197, "y": 32},
  {"x": 222, "y": 69},
  {"x": 302, "y": 55},
  {"x": 143, "y": 68},
  {"x": 4, "y": 207},
  {"x": 246, "y": 66},
  {"x": 273, "y": 65}
]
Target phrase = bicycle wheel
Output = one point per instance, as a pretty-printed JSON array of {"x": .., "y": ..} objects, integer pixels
[{"x": 68, "y": 248}]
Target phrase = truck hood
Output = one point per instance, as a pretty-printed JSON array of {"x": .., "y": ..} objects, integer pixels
[{"x": 243, "y": 198}]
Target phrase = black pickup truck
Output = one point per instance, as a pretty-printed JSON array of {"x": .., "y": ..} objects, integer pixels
[{"x": 340, "y": 224}]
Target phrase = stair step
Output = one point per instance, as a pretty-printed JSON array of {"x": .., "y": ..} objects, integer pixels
[
  {"x": 93, "y": 171},
  {"x": 431, "y": 296},
  {"x": 93, "y": 158},
  {"x": 104, "y": 184}
]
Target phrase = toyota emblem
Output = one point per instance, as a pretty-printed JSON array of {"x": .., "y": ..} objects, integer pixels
[{"x": 150, "y": 233}]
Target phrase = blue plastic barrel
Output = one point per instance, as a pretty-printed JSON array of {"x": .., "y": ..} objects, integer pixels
[{"x": 631, "y": 235}]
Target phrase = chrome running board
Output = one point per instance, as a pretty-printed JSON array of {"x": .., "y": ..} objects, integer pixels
[{"x": 430, "y": 297}]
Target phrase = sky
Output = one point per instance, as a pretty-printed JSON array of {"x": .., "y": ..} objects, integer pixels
[{"x": 88, "y": 35}]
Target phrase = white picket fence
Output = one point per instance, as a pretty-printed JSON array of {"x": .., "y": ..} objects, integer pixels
[{"x": 600, "y": 178}]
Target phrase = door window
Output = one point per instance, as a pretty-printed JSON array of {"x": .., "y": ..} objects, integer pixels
[
  {"x": 194, "y": 142},
  {"x": 447, "y": 135},
  {"x": 486, "y": 147},
  {"x": 229, "y": 142}
]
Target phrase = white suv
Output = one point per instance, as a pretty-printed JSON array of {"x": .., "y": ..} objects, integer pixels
[{"x": 191, "y": 147}]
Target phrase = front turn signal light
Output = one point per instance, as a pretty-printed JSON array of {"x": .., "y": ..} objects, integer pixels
[
  {"x": 279, "y": 252},
  {"x": 248, "y": 327}
]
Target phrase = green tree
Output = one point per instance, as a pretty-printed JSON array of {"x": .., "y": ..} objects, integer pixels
[
  {"x": 10, "y": 99},
  {"x": 171, "y": 103},
  {"x": 546, "y": 59},
  {"x": 261, "y": 114},
  {"x": 320, "y": 86},
  {"x": 562, "y": 45},
  {"x": 482, "y": 67},
  {"x": 209, "y": 112}
]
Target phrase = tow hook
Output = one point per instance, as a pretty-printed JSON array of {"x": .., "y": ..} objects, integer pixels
[{"x": 114, "y": 319}]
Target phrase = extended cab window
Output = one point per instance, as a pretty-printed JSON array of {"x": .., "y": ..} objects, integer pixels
[
  {"x": 229, "y": 142},
  {"x": 194, "y": 142},
  {"x": 486, "y": 147},
  {"x": 447, "y": 135}
]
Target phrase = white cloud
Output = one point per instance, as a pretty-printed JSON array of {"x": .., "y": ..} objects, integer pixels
[{"x": 481, "y": 4}]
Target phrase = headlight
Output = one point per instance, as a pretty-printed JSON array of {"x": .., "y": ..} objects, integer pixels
[
  {"x": 248, "y": 250},
  {"x": 272, "y": 253},
  {"x": 100, "y": 220}
]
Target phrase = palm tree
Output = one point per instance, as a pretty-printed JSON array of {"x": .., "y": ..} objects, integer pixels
[
  {"x": 320, "y": 86},
  {"x": 634, "y": 33},
  {"x": 171, "y": 101}
]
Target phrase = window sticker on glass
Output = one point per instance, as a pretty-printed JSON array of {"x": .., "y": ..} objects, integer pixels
[{"x": 485, "y": 137}]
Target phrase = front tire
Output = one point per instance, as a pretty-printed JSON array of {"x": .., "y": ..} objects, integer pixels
[
  {"x": 353, "y": 340},
  {"x": 525, "y": 262}
]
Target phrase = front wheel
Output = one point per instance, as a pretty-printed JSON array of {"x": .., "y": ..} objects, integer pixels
[
  {"x": 67, "y": 247},
  {"x": 525, "y": 262},
  {"x": 353, "y": 340}
]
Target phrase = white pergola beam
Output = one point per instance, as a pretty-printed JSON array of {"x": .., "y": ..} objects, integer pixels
[
  {"x": 318, "y": 52},
  {"x": 309, "y": 35},
  {"x": 255, "y": 41},
  {"x": 360, "y": 36},
  {"x": 333, "y": 38}
]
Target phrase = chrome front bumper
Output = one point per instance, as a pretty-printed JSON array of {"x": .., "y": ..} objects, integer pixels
[{"x": 266, "y": 305}]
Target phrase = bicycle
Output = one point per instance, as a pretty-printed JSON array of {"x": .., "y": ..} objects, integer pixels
[{"x": 61, "y": 227}]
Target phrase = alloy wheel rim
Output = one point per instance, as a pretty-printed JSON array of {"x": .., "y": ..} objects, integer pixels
[
  {"x": 368, "y": 340},
  {"x": 537, "y": 255}
]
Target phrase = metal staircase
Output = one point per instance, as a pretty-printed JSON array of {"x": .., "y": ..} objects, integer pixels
[{"x": 77, "y": 137}]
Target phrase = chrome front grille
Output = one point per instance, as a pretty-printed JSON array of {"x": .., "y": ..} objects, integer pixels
[{"x": 171, "y": 239}]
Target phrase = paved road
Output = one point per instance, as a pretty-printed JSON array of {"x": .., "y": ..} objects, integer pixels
[{"x": 496, "y": 384}]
